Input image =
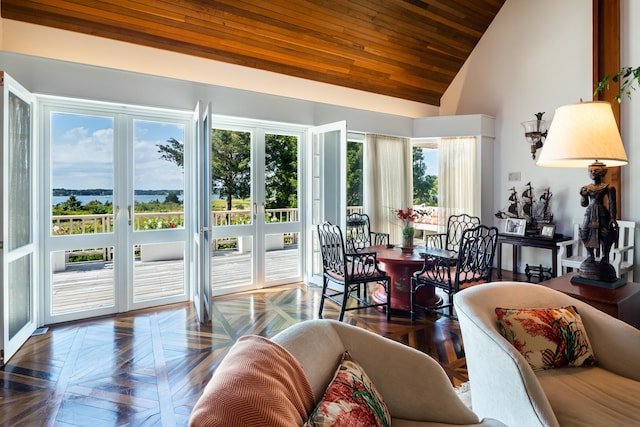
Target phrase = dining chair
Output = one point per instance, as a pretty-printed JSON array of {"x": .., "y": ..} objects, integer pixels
[
  {"x": 359, "y": 234},
  {"x": 456, "y": 225},
  {"x": 353, "y": 272},
  {"x": 472, "y": 264}
]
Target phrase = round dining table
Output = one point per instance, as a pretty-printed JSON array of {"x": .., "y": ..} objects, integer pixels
[{"x": 400, "y": 266}]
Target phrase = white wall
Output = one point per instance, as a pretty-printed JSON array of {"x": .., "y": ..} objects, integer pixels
[{"x": 535, "y": 57}]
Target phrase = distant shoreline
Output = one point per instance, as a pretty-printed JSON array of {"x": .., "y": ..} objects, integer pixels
[{"x": 63, "y": 192}]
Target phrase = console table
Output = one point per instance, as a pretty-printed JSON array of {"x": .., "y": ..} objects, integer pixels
[
  {"x": 622, "y": 303},
  {"x": 530, "y": 241}
]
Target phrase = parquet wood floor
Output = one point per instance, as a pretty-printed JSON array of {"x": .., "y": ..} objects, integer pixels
[{"x": 148, "y": 367}]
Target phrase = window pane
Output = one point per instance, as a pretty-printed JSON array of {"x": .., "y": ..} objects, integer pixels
[
  {"x": 82, "y": 280},
  {"x": 19, "y": 294},
  {"x": 354, "y": 176},
  {"x": 81, "y": 174},
  {"x": 281, "y": 178},
  {"x": 231, "y": 177},
  {"x": 158, "y": 175},
  {"x": 425, "y": 176},
  {"x": 20, "y": 173}
]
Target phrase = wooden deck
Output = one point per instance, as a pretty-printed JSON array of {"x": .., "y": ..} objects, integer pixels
[{"x": 90, "y": 285}]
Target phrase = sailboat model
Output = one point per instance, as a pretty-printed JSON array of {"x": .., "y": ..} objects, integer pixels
[
  {"x": 511, "y": 211},
  {"x": 527, "y": 201},
  {"x": 544, "y": 215}
]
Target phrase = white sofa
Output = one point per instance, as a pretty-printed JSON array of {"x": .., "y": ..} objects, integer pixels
[
  {"x": 413, "y": 386},
  {"x": 503, "y": 385}
]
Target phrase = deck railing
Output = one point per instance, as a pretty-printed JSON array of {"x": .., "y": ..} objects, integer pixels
[{"x": 103, "y": 223}]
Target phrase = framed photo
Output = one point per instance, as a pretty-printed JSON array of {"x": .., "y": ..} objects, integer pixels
[
  {"x": 515, "y": 226},
  {"x": 548, "y": 230}
]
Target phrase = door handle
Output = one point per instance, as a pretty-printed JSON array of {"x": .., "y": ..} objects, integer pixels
[
  {"x": 255, "y": 210},
  {"x": 129, "y": 211}
]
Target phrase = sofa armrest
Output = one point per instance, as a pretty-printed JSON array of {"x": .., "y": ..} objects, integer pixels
[
  {"x": 616, "y": 344},
  {"x": 412, "y": 384},
  {"x": 503, "y": 385}
]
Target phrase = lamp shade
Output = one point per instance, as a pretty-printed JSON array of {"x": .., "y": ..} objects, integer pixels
[{"x": 581, "y": 134}]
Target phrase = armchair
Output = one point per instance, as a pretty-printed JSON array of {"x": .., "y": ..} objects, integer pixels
[
  {"x": 450, "y": 240},
  {"x": 359, "y": 234},
  {"x": 622, "y": 254},
  {"x": 351, "y": 271},
  {"x": 505, "y": 387},
  {"x": 413, "y": 386},
  {"x": 398, "y": 371}
]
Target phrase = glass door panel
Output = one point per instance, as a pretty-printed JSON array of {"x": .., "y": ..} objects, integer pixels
[
  {"x": 282, "y": 225},
  {"x": 158, "y": 229},
  {"x": 81, "y": 238},
  {"x": 232, "y": 211},
  {"x": 17, "y": 232},
  {"x": 81, "y": 281}
]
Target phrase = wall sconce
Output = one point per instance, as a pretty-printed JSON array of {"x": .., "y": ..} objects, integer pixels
[{"x": 535, "y": 131}]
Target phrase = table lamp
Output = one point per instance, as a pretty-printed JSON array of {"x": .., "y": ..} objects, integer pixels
[{"x": 586, "y": 135}]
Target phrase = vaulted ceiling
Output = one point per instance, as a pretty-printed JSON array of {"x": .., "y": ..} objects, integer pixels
[{"x": 409, "y": 49}]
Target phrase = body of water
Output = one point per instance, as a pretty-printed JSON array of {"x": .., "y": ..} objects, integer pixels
[{"x": 104, "y": 199}]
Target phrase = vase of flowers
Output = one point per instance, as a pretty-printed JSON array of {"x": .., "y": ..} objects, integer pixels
[{"x": 407, "y": 216}]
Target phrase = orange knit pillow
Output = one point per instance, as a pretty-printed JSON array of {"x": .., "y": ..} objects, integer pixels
[{"x": 257, "y": 383}]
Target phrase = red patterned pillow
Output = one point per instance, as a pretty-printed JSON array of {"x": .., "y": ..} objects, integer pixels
[
  {"x": 547, "y": 338},
  {"x": 350, "y": 400}
]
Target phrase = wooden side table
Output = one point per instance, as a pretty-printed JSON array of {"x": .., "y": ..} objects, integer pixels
[
  {"x": 529, "y": 241},
  {"x": 622, "y": 303}
]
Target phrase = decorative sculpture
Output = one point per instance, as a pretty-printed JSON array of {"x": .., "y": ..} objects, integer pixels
[{"x": 599, "y": 229}]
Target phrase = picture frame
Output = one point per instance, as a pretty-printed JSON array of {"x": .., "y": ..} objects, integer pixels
[
  {"x": 548, "y": 231},
  {"x": 515, "y": 226}
]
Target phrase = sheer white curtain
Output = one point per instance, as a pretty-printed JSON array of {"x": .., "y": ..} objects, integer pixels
[
  {"x": 457, "y": 179},
  {"x": 388, "y": 178}
]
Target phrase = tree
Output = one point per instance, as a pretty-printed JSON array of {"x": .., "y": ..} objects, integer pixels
[
  {"x": 425, "y": 187},
  {"x": 230, "y": 164},
  {"x": 281, "y": 164},
  {"x": 72, "y": 204},
  {"x": 354, "y": 173},
  {"x": 174, "y": 152},
  {"x": 172, "y": 197}
]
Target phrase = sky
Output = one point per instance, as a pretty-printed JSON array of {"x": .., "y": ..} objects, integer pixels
[
  {"x": 82, "y": 153},
  {"x": 430, "y": 157}
]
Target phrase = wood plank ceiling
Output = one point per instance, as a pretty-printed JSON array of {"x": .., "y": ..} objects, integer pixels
[{"x": 409, "y": 49}]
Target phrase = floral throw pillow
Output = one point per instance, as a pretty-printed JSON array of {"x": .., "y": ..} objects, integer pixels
[
  {"x": 547, "y": 338},
  {"x": 350, "y": 400}
]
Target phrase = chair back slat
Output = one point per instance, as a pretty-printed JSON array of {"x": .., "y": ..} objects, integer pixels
[{"x": 456, "y": 225}]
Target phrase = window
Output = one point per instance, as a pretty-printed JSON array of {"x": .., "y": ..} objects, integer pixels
[
  {"x": 425, "y": 173},
  {"x": 355, "y": 175}
]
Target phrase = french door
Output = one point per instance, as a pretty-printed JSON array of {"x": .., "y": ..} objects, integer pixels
[
  {"x": 114, "y": 229},
  {"x": 18, "y": 235},
  {"x": 327, "y": 193},
  {"x": 256, "y": 226}
]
